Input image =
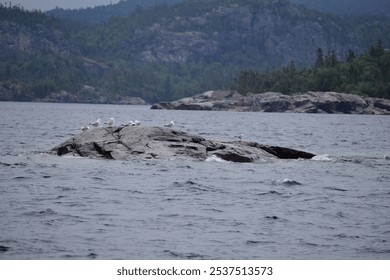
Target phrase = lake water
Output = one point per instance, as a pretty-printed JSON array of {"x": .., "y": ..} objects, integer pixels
[{"x": 336, "y": 206}]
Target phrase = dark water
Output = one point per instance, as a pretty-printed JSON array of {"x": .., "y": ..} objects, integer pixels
[{"x": 334, "y": 207}]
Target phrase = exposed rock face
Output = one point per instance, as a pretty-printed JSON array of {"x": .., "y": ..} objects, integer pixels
[
  {"x": 34, "y": 39},
  {"x": 273, "y": 32},
  {"x": 311, "y": 102},
  {"x": 124, "y": 143}
]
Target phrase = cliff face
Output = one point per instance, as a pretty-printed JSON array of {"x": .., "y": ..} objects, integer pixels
[
  {"x": 268, "y": 33},
  {"x": 36, "y": 39}
]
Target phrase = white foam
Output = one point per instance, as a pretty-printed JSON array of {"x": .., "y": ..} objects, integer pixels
[
  {"x": 214, "y": 158},
  {"x": 324, "y": 157}
]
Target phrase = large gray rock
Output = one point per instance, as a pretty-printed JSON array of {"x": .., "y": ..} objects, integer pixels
[
  {"x": 310, "y": 102},
  {"x": 124, "y": 143}
]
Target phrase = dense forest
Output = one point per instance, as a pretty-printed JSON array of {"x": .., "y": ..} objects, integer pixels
[
  {"x": 367, "y": 75},
  {"x": 103, "y": 13},
  {"x": 348, "y": 7},
  {"x": 167, "y": 52}
]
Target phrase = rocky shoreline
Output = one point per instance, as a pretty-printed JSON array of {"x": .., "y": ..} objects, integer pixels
[
  {"x": 86, "y": 94},
  {"x": 310, "y": 102},
  {"x": 144, "y": 142}
]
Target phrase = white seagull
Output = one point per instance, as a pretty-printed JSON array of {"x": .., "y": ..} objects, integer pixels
[
  {"x": 170, "y": 124},
  {"x": 84, "y": 128},
  {"x": 137, "y": 123},
  {"x": 96, "y": 123},
  {"x": 239, "y": 136},
  {"x": 110, "y": 122},
  {"x": 129, "y": 123}
]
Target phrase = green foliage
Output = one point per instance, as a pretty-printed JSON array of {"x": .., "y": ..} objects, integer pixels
[
  {"x": 106, "y": 56},
  {"x": 28, "y": 18},
  {"x": 105, "y": 12},
  {"x": 367, "y": 75},
  {"x": 44, "y": 73}
]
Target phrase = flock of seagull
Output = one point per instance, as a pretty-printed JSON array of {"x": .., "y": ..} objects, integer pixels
[{"x": 111, "y": 121}]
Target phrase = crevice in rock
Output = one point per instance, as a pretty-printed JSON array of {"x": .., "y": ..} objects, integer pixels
[{"x": 102, "y": 151}]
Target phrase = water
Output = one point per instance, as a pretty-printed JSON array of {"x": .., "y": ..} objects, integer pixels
[{"x": 336, "y": 206}]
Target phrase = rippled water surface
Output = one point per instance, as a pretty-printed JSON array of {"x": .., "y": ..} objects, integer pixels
[{"x": 336, "y": 206}]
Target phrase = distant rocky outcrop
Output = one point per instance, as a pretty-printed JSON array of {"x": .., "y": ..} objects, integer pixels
[
  {"x": 310, "y": 102},
  {"x": 86, "y": 94},
  {"x": 141, "y": 142},
  {"x": 90, "y": 94}
]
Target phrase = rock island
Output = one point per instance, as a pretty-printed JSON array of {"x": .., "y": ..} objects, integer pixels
[{"x": 152, "y": 142}]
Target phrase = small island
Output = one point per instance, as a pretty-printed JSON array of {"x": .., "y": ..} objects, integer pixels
[
  {"x": 309, "y": 102},
  {"x": 152, "y": 142}
]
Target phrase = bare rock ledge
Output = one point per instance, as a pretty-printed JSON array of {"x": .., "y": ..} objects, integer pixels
[
  {"x": 310, "y": 102},
  {"x": 125, "y": 143}
]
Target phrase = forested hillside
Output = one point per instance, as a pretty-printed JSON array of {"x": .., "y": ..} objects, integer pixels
[
  {"x": 367, "y": 75},
  {"x": 348, "y": 7},
  {"x": 125, "y": 7},
  {"x": 105, "y": 12},
  {"x": 166, "y": 52}
]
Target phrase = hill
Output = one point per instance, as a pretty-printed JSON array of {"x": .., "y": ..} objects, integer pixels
[
  {"x": 125, "y": 7},
  {"x": 104, "y": 12},
  {"x": 169, "y": 51},
  {"x": 348, "y": 7},
  {"x": 368, "y": 74}
]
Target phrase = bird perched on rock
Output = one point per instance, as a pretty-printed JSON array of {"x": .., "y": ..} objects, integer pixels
[
  {"x": 95, "y": 123},
  {"x": 239, "y": 136},
  {"x": 137, "y": 123},
  {"x": 129, "y": 123},
  {"x": 170, "y": 124},
  {"x": 133, "y": 123},
  {"x": 84, "y": 128},
  {"x": 110, "y": 122}
]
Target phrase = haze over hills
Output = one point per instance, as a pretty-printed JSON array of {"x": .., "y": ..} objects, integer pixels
[
  {"x": 125, "y": 7},
  {"x": 168, "y": 51}
]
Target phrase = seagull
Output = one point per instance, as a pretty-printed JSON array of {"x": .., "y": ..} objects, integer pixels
[
  {"x": 170, "y": 124},
  {"x": 84, "y": 128},
  {"x": 96, "y": 123},
  {"x": 110, "y": 122},
  {"x": 129, "y": 123},
  {"x": 137, "y": 123},
  {"x": 239, "y": 136}
]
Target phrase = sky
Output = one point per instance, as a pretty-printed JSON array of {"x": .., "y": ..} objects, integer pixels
[{"x": 45, "y": 5}]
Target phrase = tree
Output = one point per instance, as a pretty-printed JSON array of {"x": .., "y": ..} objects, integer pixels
[{"x": 320, "y": 58}]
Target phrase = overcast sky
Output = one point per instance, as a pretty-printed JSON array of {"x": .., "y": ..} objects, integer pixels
[{"x": 45, "y": 5}]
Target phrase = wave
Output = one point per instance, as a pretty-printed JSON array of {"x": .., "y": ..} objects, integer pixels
[
  {"x": 214, "y": 158},
  {"x": 188, "y": 256},
  {"x": 324, "y": 157},
  {"x": 287, "y": 181}
]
